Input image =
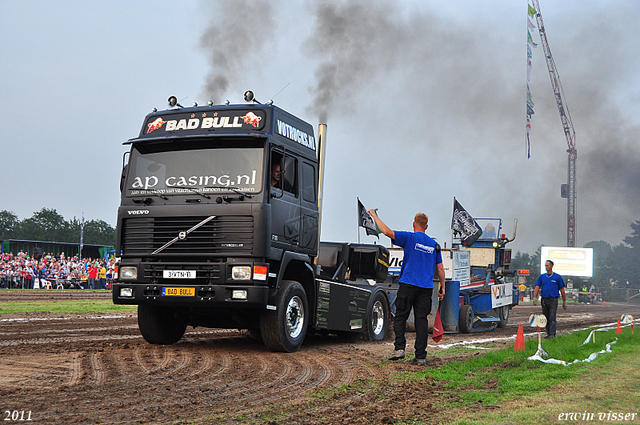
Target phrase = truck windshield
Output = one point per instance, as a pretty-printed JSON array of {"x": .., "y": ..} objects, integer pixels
[{"x": 220, "y": 170}]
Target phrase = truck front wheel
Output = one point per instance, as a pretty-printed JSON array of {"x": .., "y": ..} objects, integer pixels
[
  {"x": 466, "y": 318},
  {"x": 158, "y": 325},
  {"x": 285, "y": 328},
  {"x": 503, "y": 315},
  {"x": 378, "y": 318}
]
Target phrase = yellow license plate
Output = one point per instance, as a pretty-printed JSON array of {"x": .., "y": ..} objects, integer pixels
[{"x": 179, "y": 292}]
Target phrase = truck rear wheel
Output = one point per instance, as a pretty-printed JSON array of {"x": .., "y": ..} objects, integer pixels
[
  {"x": 503, "y": 314},
  {"x": 465, "y": 319},
  {"x": 378, "y": 318},
  {"x": 285, "y": 328},
  {"x": 158, "y": 325}
]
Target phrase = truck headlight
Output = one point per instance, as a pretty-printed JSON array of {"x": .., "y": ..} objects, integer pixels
[
  {"x": 241, "y": 273},
  {"x": 128, "y": 272},
  {"x": 239, "y": 294},
  {"x": 126, "y": 292}
]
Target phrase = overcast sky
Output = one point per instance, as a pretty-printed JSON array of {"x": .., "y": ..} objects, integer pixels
[{"x": 424, "y": 101}]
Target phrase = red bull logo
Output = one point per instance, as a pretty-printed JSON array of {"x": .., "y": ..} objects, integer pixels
[
  {"x": 155, "y": 125},
  {"x": 252, "y": 119}
]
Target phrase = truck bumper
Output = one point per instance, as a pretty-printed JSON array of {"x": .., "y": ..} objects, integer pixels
[{"x": 191, "y": 295}]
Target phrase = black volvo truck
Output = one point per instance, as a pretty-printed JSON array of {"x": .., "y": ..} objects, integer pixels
[{"x": 210, "y": 234}]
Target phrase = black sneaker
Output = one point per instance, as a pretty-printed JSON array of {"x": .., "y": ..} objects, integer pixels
[
  {"x": 396, "y": 355},
  {"x": 418, "y": 362}
]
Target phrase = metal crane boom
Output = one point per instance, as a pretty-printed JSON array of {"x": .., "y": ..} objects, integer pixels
[{"x": 567, "y": 126}]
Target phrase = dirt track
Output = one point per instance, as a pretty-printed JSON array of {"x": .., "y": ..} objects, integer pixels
[{"x": 97, "y": 369}]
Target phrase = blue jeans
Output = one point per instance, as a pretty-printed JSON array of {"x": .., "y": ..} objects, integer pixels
[
  {"x": 419, "y": 299},
  {"x": 549, "y": 309}
]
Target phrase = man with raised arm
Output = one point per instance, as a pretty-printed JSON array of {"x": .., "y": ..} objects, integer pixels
[{"x": 421, "y": 258}]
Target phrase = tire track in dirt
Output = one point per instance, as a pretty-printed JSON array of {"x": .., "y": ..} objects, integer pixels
[
  {"x": 164, "y": 360},
  {"x": 208, "y": 362},
  {"x": 317, "y": 372},
  {"x": 76, "y": 369},
  {"x": 325, "y": 375},
  {"x": 160, "y": 357},
  {"x": 67, "y": 340},
  {"x": 289, "y": 390},
  {"x": 137, "y": 355},
  {"x": 97, "y": 369},
  {"x": 243, "y": 390},
  {"x": 183, "y": 363},
  {"x": 121, "y": 373}
]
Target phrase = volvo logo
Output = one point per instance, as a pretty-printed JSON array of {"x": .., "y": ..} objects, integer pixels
[
  {"x": 138, "y": 212},
  {"x": 183, "y": 234}
]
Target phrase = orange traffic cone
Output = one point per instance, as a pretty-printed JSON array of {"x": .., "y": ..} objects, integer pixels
[
  {"x": 619, "y": 328},
  {"x": 602, "y": 302},
  {"x": 519, "y": 345}
]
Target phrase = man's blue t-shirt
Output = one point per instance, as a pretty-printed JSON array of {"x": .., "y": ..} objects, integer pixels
[
  {"x": 550, "y": 285},
  {"x": 420, "y": 258}
]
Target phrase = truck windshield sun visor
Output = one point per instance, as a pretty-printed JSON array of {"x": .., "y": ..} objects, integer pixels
[{"x": 205, "y": 172}]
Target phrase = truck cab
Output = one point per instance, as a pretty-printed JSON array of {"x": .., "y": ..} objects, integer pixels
[{"x": 218, "y": 226}]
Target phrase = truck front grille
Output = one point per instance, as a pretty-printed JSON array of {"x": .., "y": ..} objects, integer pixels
[{"x": 222, "y": 236}]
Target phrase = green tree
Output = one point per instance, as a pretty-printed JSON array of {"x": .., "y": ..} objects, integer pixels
[
  {"x": 626, "y": 260},
  {"x": 96, "y": 232},
  {"x": 534, "y": 263},
  {"x": 634, "y": 240},
  {"x": 47, "y": 225},
  {"x": 528, "y": 262},
  {"x": 44, "y": 225},
  {"x": 99, "y": 232},
  {"x": 9, "y": 224},
  {"x": 602, "y": 267}
]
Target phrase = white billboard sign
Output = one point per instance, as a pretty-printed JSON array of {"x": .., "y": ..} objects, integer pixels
[{"x": 568, "y": 261}]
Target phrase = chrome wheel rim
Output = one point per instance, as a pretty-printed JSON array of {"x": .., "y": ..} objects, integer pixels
[
  {"x": 377, "y": 318},
  {"x": 295, "y": 317}
]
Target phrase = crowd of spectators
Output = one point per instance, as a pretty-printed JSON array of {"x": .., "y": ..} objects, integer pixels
[{"x": 23, "y": 271}]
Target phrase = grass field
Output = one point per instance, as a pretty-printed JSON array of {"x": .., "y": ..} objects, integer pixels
[
  {"x": 62, "y": 306},
  {"x": 605, "y": 390}
]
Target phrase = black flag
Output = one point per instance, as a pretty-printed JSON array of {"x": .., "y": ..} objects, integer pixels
[
  {"x": 464, "y": 224},
  {"x": 365, "y": 220}
]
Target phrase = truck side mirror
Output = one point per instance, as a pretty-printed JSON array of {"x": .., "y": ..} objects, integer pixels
[{"x": 124, "y": 170}]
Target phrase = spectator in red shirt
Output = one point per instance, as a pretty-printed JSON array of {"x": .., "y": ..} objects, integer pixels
[{"x": 93, "y": 275}]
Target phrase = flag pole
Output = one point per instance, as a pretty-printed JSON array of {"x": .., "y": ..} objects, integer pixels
[{"x": 358, "y": 218}]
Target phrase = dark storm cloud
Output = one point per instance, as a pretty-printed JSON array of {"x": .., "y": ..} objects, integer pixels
[
  {"x": 456, "y": 91},
  {"x": 353, "y": 40},
  {"x": 234, "y": 37},
  {"x": 435, "y": 62},
  {"x": 600, "y": 73},
  {"x": 463, "y": 76}
]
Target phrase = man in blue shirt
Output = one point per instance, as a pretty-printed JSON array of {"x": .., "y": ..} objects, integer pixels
[
  {"x": 421, "y": 258},
  {"x": 550, "y": 286}
]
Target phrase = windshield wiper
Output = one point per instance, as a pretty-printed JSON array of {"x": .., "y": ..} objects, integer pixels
[
  {"x": 239, "y": 192},
  {"x": 233, "y": 189},
  {"x": 147, "y": 200},
  {"x": 194, "y": 191}
]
